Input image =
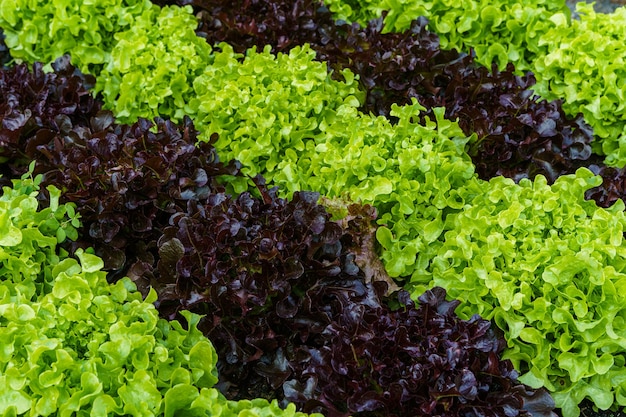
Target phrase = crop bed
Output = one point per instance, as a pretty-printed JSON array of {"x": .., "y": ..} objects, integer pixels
[{"x": 284, "y": 207}]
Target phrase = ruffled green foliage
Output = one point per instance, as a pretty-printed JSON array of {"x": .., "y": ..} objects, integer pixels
[
  {"x": 267, "y": 109},
  {"x": 499, "y": 31},
  {"x": 154, "y": 64},
  {"x": 259, "y": 407},
  {"x": 71, "y": 344},
  {"x": 43, "y": 30},
  {"x": 549, "y": 268},
  {"x": 585, "y": 67}
]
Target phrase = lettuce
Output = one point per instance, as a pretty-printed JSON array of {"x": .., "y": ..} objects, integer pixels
[
  {"x": 154, "y": 64},
  {"x": 584, "y": 67},
  {"x": 548, "y": 268},
  {"x": 43, "y": 30},
  {"x": 287, "y": 96}
]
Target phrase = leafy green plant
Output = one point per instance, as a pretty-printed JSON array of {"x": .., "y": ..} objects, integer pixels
[
  {"x": 584, "y": 67},
  {"x": 417, "y": 360},
  {"x": 153, "y": 65},
  {"x": 548, "y": 267},
  {"x": 43, "y": 30}
]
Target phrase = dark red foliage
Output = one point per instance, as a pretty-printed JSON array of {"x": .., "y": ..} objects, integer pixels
[
  {"x": 613, "y": 185},
  {"x": 5, "y": 56},
  {"x": 249, "y": 264},
  {"x": 126, "y": 180},
  {"x": 412, "y": 361},
  {"x": 35, "y": 105},
  {"x": 519, "y": 135}
]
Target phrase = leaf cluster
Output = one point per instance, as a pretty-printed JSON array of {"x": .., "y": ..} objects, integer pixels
[
  {"x": 127, "y": 179},
  {"x": 34, "y": 102},
  {"x": 547, "y": 267},
  {"x": 39, "y": 31},
  {"x": 576, "y": 60},
  {"x": 261, "y": 271},
  {"x": 153, "y": 65},
  {"x": 417, "y": 360},
  {"x": 519, "y": 135}
]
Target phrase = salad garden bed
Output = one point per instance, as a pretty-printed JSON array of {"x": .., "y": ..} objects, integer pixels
[{"x": 269, "y": 207}]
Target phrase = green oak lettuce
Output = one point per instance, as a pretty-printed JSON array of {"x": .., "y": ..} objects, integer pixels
[
  {"x": 585, "y": 68},
  {"x": 549, "y": 268},
  {"x": 154, "y": 64},
  {"x": 43, "y": 30},
  {"x": 150, "y": 55}
]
